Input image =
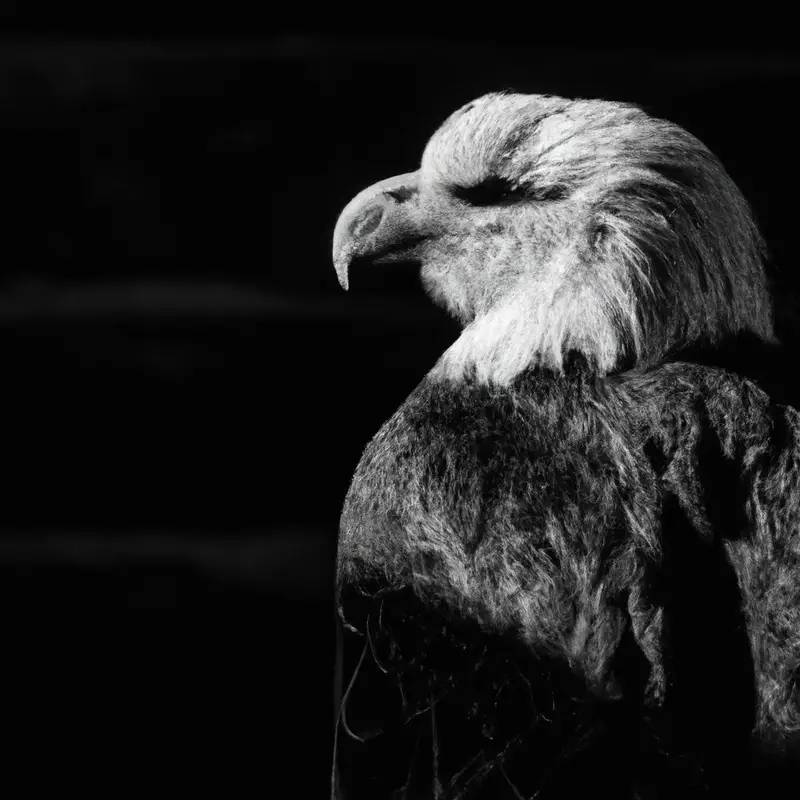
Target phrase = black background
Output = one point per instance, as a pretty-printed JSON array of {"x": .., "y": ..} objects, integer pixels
[{"x": 186, "y": 390}]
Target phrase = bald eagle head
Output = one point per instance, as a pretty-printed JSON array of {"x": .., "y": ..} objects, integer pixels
[{"x": 547, "y": 225}]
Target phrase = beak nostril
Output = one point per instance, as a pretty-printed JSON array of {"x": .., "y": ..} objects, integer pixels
[{"x": 368, "y": 222}]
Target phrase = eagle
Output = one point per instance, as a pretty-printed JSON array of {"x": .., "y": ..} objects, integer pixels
[{"x": 570, "y": 561}]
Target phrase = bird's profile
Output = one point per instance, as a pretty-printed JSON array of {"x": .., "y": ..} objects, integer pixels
[{"x": 570, "y": 562}]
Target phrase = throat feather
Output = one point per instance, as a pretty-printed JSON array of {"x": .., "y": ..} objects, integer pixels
[{"x": 528, "y": 331}]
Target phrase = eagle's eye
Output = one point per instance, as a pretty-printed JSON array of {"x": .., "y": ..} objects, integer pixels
[
  {"x": 489, "y": 192},
  {"x": 500, "y": 191}
]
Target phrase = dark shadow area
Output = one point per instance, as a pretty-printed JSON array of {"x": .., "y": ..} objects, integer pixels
[{"x": 433, "y": 700}]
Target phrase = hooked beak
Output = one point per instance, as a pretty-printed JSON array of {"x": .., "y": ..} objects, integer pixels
[{"x": 378, "y": 224}]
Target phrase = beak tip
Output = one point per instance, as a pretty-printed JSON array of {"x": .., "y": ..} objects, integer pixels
[{"x": 341, "y": 266}]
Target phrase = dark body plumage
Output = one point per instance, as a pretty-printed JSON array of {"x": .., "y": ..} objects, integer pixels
[{"x": 572, "y": 583}]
